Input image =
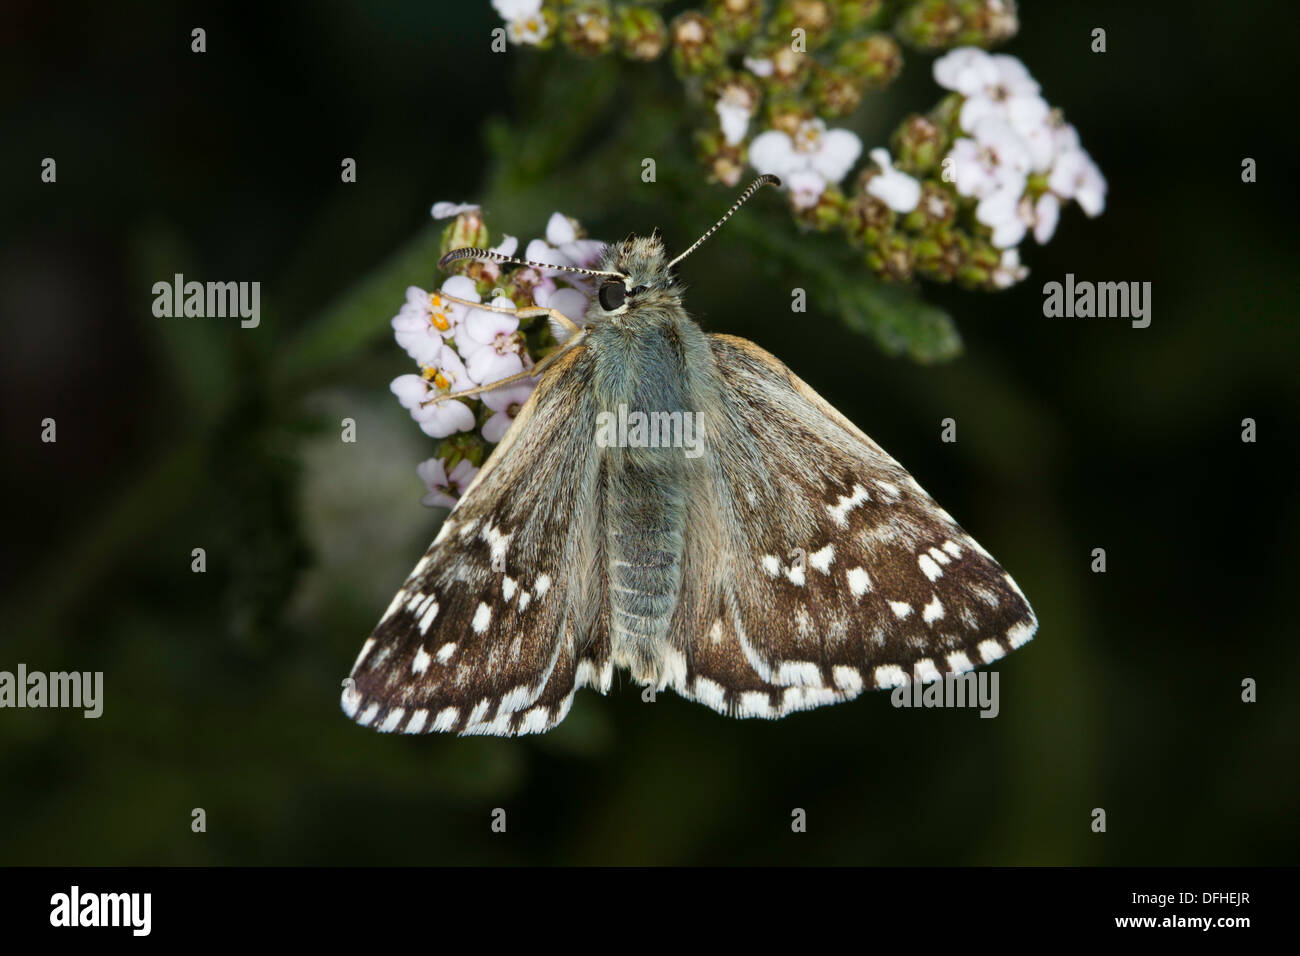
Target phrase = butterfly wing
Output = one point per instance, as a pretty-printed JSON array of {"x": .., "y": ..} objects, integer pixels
[
  {"x": 830, "y": 570},
  {"x": 498, "y": 625}
]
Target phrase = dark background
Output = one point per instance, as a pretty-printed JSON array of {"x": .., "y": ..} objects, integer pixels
[{"x": 221, "y": 689}]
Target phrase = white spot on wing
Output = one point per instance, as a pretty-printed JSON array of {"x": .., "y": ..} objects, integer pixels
[
  {"x": 421, "y": 662},
  {"x": 446, "y": 719},
  {"x": 369, "y": 715},
  {"x": 821, "y": 560},
  {"x": 542, "y": 585},
  {"x": 1020, "y": 634},
  {"x": 929, "y": 567},
  {"x": 925, "y": 670},
  {"x": 890, "y": 675},
  {"x": 416, "y": 723},
  {"x": 508, "y": 587},
  {"x": 859, "y": 582},
  {"x": 392, "y": 720},
  {"x": 959, "y": 663},
  {"x": 771, "y": 564},
  {"x": 429, "y": 614},
  {"x": 710, "y": 692},
  {"x": 900, "y": 608},
  {"x": 351, "y": 700},
  {"x": 840, "y": 512},
  {"x": 932, "y": 611},
  {"x": 798, "y": 672},
  {"x": 847, "y": 678},
  {"x": 482, "y": 617},
  {"x": 991, "y": 651},
  {"x": 952, "y": 548},
  {"x": 445, "y": 652}
]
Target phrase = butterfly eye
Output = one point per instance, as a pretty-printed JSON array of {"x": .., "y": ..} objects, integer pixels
[{"x": 612, "y": 296}]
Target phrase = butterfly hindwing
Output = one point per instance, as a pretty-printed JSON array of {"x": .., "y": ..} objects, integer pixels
[
  {"x": 835, "y": 572},
  {"x": 491, "y": 632}
]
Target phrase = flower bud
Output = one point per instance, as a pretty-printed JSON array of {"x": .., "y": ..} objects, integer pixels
[
  {"x": 937, "y": 208},
  {"x": 875, "y": 59},
  {"x": 724, "y": 162},
  {"x": 466, "y": 231},
  {"x": 853, "y": 15},
  {"x": 826, "y": 213},
  {"x": 835, "y": 91},
  {"x": 940, "y": 254},
  {"x": 587, "y": 28},
  {"x": 892, "y": 259},
  {"x": 641, "y": 32},
  {"x": 940, "y": 24},
  {"x": 815, "y": 17},
  {"x": 918, "y": 145},
  {"x": 737, "y": 21},
  {"x": 696, "y": 47},
  {"x": 867, "y": 219}
]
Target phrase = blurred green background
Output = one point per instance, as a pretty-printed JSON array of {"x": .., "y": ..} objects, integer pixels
[{"x": 221, "y": 689}]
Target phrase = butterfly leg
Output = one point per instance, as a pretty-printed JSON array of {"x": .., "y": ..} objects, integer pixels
[{"x": 536, "y": 370}]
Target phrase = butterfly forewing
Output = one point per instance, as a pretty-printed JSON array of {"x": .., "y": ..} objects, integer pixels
[
  {"x": 838, "y": 573},
  {"x": 494, "y": 627}
]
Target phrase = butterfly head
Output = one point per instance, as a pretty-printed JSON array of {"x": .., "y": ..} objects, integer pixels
[{"x": 634, "y": 273}]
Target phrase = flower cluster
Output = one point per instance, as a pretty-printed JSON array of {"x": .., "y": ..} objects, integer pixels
[
  {"x": 458, "y": 347},
  {"x": 964, "y": 184}
]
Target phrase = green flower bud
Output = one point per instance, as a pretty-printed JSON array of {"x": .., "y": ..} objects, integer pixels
[
  {"x": 941, "y": 254},
  {"x": 641, "y": 32},
  {"x": 816, "y": 18},
  {"x": 464, "y": 446},
  {"x": 835, "y": 91},
  {"x": 940, "y": 24},
  {"x": 867, "y": 219},
  {"x": 875, "y": 59},
  {"x": 789, "y": 69},
  {"x": 737, "y": 20},
  {"x": 918, "y": 145},
  {"x": 724, "y": 162},
  {"x": 853, "y": 15},
  {"x": 787, "y": 113},
  {"x": 587, "y": 28},
  {"x": 937, "y": 208},
  {"x": 892, "y": 259},
  {"x": 466, "y": 231},
  {"x": 696, "y": 46},
  {"x": 826, "y": 214}
]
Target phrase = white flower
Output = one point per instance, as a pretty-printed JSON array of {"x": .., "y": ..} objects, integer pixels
[
  {"x": 992, "y": 84},
  {"x": 562, "y": 247},
  {"x": 434, "y": 475},
  {"x": 506, "y": 402},
  {"x": 427, "y": 318},
  {"x": 1075, "y": 176},
  {"x": 1001, "y": 212},
  {"x": 489, "y": 345},
  {"x": 899, "y": 191},
  {"x": 445, "y": 210},
  {"x": 759, "y": 67},
  {"x": 994, "y": 160},
  {"x": 1009, "y": 271},
  {"x": 734, "y": 108},
  {"x": 812, "y": 159},
  {"x": 444, "y": 418},
  {"x": 524, "y": 21},
  {"x": 1046, "y": 213}
]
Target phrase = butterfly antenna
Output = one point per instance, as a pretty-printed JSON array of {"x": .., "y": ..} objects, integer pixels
[
  {"x": 755, "y": 186},
  {"x": 457, "y": 254}
]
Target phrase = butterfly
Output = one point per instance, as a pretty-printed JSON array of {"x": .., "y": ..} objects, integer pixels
[{"x": 791, "y": 564}]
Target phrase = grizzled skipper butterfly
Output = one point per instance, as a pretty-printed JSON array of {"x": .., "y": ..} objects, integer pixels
[{"x": 791, "y": 564}]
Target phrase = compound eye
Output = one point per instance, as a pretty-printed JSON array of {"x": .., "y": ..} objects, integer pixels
[{"x": 611, "y": 296}]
